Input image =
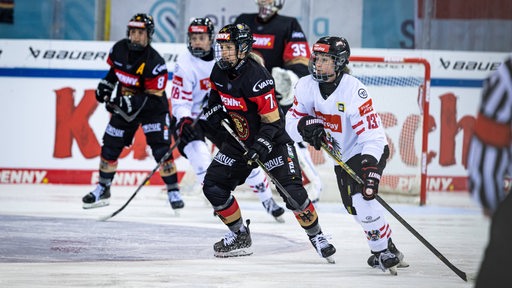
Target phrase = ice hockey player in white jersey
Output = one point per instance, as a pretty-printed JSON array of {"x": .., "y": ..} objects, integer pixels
[
  {"x": 190, "y": 87},
  {"x": 333, "y": 107}
]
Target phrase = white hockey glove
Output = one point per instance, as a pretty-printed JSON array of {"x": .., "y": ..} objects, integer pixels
[{"x": 285, "y": 82}]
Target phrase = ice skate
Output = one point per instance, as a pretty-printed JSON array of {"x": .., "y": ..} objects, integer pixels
[
  {"x": 175, "y": 200},
  {"x": 386, "y": 260},
  {"x": 374, "y": 262},
  {"x": 234, "y": 244},
  {"x": 273, "y": 209},
  {"x": 99, "y": 197},
  {"x": 323, "y": 247}
]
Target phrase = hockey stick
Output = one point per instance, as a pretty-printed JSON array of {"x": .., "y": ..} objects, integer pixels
[
  {"x": 258, "y": 161},
  {"x": 117, "y": 110},
  {"x": 353, "y": 174},
  {"x": 162, "y": 160}
]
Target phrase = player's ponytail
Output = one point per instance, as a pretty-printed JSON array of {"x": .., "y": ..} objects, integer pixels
[{"x": 257, "y": 58}]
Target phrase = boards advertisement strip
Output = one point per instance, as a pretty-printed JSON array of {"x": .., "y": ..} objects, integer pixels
[{"x": 49, "y": 82}]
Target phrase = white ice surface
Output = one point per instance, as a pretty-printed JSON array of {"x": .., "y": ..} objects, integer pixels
[{"x": 283, "y": 256}]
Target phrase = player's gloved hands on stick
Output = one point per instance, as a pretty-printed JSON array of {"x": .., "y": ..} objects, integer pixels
[
  {"x": 186, "y": 132},
  {"x": 215, "y": 115},
  {"x": 258, "y": 151},
  {"x": 312, "y": 131},
  {"x": 104, "y": 91},
  {"x": 371, "y": 177}
]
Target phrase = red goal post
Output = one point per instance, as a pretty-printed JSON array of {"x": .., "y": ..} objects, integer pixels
[{"x": 400, "y": 90}]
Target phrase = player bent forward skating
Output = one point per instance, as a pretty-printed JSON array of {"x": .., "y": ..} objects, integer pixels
[{"x": 243, "y": 93}]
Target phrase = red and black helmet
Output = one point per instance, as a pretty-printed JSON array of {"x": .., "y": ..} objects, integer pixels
[
  {"x": 337, "y": 48},
  {"x": 200, "y": 25},
  {"x": 240, "y": 35},
  {"x": 142, "y": 21}
]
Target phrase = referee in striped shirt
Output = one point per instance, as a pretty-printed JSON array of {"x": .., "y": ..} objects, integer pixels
[{"x": 489, "y": 162}]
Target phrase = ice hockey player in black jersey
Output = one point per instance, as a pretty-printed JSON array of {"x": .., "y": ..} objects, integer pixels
[
  {"x": 140, "y": 100},
  {"x": 190, "y": 86},
  {"x": 243, "y": 93},
  {"x": 282, "y": 44}
]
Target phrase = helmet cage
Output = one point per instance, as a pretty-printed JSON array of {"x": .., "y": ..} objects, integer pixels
[
  {"x": 199, "y": 26},
  {"x": 241, "y": 36},
  {"x": 337, "y": 49},
  {"x": 267, "y": 10}
]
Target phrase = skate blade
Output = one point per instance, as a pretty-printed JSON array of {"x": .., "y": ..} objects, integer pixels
[
  {"x": 234, "y": 253},
  {"x": 403, "y": 264},
  {"x": 330, "y": 260},
  {"x": 279, "y": 219},
  {"x": 97, "y": 204},
  {"x": 471, "y": 277},
  {"x": 393, "y": 271}
]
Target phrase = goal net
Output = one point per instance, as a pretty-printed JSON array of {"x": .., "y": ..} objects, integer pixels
[{"x": 400, "y": 92}]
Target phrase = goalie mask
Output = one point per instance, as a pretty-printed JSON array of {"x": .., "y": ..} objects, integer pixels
[
  {"x": 144, "y": 22},
  {"x": 199, "y": 28},
  {"x": 232, "y": 46},
  {"x": 267, "y": 8},
  {"x": 329, "y": 57}
]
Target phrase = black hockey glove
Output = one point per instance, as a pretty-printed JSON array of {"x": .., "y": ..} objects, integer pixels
[
  {"x": 312, "y": 131},
  {"x": 371, "y": 177},
  {"x": 215, "y": 115},
  {"x": 258, "y": 151},
  {"x": 104, "y": 91},
  {"x": 186, "y": 132}
]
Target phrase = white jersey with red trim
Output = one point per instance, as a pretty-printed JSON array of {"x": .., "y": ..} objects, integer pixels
[
  {"x": 352, "y": 124},
  {"x": 190, "y": 84}
]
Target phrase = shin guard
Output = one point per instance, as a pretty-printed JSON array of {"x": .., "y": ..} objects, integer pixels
[{"x": 307, "y": 218}]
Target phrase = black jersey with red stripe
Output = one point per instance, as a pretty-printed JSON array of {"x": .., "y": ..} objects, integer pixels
[
  {"x": 138, "y": 72},
  {"x": 280, "y": 41},
  {"x": 250, "y": 101}
]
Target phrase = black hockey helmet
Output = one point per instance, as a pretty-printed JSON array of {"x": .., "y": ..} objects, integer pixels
[
  {"x": 240, "y": 35},
  {"x": 200, "y": 25},
  {"x": 268, "y": 8},
  {"x": 141, "y": 21},
  {"x": 337, "y": 48}
]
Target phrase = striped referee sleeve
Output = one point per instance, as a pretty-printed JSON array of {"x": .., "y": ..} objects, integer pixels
[{"x": 490, "y": 154}]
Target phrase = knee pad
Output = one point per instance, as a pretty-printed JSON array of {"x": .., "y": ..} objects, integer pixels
[
  {"x": 297, "y": 191},
  {"x": 159, "y": 151},
  {"x": 217, "y": 195},
  {"x": 110, "y": 153}
]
